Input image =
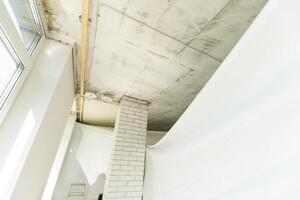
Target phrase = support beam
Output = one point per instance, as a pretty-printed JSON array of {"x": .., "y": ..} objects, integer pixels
[{"x": 83, "y": 53}]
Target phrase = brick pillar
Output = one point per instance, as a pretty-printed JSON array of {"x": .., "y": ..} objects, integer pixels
[{"x": 125, "y": 175}]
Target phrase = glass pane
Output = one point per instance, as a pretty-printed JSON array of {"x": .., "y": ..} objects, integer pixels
[
  {"x": 21, "y": 13},
  {"x": 8, "y": 67}
]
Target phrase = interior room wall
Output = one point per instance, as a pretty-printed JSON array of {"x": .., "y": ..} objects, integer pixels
[
  {"x": 71, "y": 171},
  {"x": 60, "y": 156}
]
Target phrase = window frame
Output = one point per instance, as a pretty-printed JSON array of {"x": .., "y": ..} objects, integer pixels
[
  {"x": 39, "y": 24},
  {"x": 17, "y": 73},
  {"x": 27, "y": 57}
]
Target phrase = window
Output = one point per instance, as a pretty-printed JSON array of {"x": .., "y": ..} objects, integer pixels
[
  {"x": 21, "y": 37},
  {"x": 25, "y": 20},
  {"x": 11, "y": 68}
]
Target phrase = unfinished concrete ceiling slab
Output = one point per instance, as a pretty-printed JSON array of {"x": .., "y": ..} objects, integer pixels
[
  {"x": 227, "y": 27},
  {"x": 163, "y": 51}
]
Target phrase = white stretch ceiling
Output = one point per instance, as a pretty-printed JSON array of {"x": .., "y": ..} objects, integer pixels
[
  {"x": 246, "y": 145},
  {"x": 163, "y": 51}
]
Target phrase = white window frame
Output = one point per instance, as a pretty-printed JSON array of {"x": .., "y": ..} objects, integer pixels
[{"x": 27, "y": 57}]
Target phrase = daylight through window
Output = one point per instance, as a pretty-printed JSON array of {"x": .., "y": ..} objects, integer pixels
[{"x": 26, "y": 22}]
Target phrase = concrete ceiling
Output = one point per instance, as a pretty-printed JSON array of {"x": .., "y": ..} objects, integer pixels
[{"x": 163, "y": 51}]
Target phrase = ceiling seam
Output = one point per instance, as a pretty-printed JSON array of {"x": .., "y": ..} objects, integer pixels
[
  {"x": 156, "y": 30},
  {"x": 92, "y": 42},
  {"x": 206, "y": 25}
]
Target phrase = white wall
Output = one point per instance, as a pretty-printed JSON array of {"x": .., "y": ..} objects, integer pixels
[
  {"x": 94, "y": 151},
  {"x": 31, "y": 132},
  {"x": 239, "y": 139},
  {"x": 60, "y": 156},
  {"x": 71, "y": 170}
]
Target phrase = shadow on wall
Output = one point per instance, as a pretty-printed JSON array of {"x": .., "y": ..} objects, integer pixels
[
  {"x": 72, "y": 173},
  {"x": 82, "y": 173},
  {"x": 94, "y": 191},
  {"x": 154, "y": 136}
]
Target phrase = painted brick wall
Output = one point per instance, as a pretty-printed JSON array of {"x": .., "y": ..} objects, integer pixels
[{"x": 126, "y": 171}]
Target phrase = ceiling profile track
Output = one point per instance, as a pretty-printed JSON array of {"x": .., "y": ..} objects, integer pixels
[{"x": 83, "y": 54}]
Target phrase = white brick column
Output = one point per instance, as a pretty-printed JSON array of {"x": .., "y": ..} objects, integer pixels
[{"x": 125, "y": 175}]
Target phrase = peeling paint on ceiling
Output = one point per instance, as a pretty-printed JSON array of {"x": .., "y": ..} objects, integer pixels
[{"x": 163, "y": 51}]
